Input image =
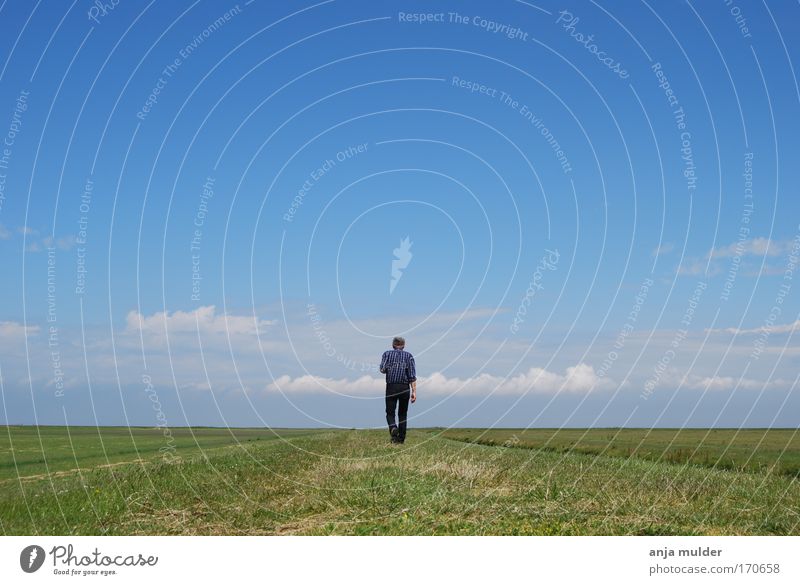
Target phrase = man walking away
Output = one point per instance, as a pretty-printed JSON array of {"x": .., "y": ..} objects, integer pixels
[{"x": 398, "y": 365}]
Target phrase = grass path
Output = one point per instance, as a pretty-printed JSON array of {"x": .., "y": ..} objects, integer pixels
[{"x": 354, "y": 482}]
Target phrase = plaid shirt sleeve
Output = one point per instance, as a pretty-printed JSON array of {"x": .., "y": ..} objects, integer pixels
[
  {"x": 411, "y": 369},
  {"x": 382, "y": 367}
]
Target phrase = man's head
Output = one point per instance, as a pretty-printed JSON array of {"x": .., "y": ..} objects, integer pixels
[{"x": 398, "y": 342}]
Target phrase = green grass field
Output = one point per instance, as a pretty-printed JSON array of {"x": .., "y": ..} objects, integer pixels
[
  {"x": 757, "y": 450},
  {"x": 76, "y": 480}
]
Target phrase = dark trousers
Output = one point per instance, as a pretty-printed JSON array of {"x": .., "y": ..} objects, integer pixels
[{"x": 397, "y": 397}]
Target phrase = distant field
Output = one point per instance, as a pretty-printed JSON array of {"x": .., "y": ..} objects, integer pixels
[
  {"x": 756, "y": 450},
  {"x": 256, "y": 481},
  {"x": 32, "y": 451}
]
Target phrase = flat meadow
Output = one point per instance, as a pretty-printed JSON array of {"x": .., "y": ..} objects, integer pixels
[{"x": 117, "y": 480}]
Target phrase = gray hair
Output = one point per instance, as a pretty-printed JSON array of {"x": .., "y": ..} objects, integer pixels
[{"x": 398, "y": 342}]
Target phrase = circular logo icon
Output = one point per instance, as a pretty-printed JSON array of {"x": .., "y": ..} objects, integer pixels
[{"x": 31, "y": 558}]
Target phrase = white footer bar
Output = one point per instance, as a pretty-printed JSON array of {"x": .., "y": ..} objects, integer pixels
[{"x": 331, "y": 559}]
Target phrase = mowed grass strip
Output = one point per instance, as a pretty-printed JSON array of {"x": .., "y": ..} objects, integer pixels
[
  {"x": 29, "y": 451},
  {"x": 354, "y": 482},
  {"x": 756, "y": 450}
]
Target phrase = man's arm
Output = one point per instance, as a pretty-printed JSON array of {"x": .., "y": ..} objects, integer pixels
[
  {"x": 382, "y": 367},
  {"x": 412, "y": 375}
]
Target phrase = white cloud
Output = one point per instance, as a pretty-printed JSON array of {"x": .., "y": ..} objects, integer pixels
[
  {"x": 717, "y": 383},
  {"x": 203, "y": 319},
  {"x": 765, "y": 270},
  {"x": 314, "y": 384},
  {"x": 673, "y": 379},
  {"x": 696, "y": 267},
  {"x": 576, "y": 379},
  {"x": 65, "y": 243},
  {"x": 15, "y": 331},
  {"x": 752, "y": 247},
  {"x": 786, "y": 328},
  {"x": 664, "y": 248},
  {"x": 712, "y": 263},
  {"x": 37, "y": 244}
]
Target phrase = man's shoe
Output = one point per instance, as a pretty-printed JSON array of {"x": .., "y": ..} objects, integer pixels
[{"x": 395, "y": 432}]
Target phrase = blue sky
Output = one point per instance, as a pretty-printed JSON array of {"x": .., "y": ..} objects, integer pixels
[{"x": 600, "y": 200}]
